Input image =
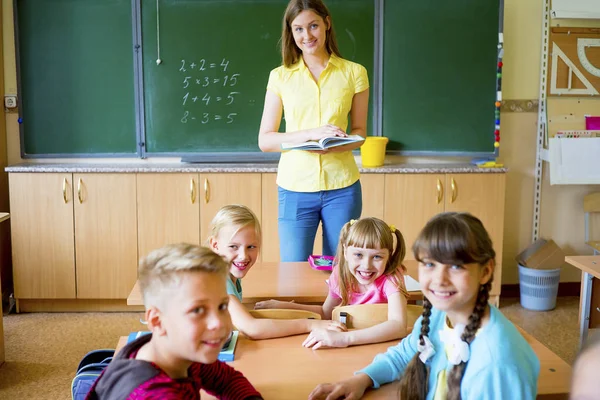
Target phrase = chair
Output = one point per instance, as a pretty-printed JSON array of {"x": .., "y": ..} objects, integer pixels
[
  {"x": 366, "y": 315},
  {"x": 277, "y": 313},
  {"x": 591, "y": 204}
]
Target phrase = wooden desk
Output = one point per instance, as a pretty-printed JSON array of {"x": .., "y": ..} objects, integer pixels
[
  {"x": 284, "y": 281},
  {"x": 590, "y": 269},
  {"x": 289, "y": 371}
]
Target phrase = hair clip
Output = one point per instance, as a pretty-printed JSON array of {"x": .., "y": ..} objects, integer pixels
[
  {"x": 426, "y": 351},
  {"x": 393, "y": 228},
  {"x": 352, "y": 221}
]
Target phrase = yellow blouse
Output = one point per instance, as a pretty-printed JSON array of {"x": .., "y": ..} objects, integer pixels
[{"x": 308, "y": 104}]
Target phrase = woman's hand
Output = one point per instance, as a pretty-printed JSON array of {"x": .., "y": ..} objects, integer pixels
[
  {"x": 332, "y": 336},
  {"x": 349, "y": 389},
  {"x": 325, "y": 131},
  {"x": 261, "y": 305}
]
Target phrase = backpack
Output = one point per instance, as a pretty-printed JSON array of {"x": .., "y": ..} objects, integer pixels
[{"x": 89, "y": 369}]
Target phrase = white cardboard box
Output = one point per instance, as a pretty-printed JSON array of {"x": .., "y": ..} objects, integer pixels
[{"x": 574, "y": 161}]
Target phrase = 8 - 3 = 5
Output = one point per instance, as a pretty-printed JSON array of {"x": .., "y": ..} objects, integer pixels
[{"x": 206, "y": 118}]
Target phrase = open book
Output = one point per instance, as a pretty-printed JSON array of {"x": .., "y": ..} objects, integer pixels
[{"x": 325, "y": 143}]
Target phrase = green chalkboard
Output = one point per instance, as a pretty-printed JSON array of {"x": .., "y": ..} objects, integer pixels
[
  {"x": 76, "y": 77},
  {"x": 84, "y": 89},
  {"x": 208, "y": 92},
  {"x": 439, "y": 75}
]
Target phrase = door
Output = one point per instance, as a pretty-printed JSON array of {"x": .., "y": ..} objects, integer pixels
[
  {"x": 218, "y": 190},
  {"x": 168, "y": 210},
  {"x": 410, "y": 201},
  {"x": 373, "y": 193},
  {"x": 483, "y": 196},
  {"x": 270, "y": 207},
  {"x": 105, "y": 235},
  {"x": 41, "y": 219}
]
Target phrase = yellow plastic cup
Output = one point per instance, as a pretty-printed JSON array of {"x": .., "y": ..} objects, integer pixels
[{"x": 372, "y": 152}]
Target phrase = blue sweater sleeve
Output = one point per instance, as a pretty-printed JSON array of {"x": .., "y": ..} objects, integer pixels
[
  {"x": 390, "y": 365},
  {"x": 506, "y": 383}
]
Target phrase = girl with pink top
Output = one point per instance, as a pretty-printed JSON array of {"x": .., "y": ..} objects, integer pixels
[{"x": 367, "y": 270}]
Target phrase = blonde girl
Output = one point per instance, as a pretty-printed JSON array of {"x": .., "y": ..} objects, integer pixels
[
  {"x": 461, "y": 347},
  {"x": 368, "y": 270},
  {"x": 236, "y": 235}
]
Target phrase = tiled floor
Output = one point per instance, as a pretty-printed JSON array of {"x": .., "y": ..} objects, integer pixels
[{"x": 557, "y": 329}]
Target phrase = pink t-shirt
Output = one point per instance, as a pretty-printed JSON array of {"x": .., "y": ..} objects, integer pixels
[{"x": 377, "y": 292}]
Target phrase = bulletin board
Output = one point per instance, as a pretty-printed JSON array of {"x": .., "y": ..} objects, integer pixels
[{"x": 574, "y": 62}]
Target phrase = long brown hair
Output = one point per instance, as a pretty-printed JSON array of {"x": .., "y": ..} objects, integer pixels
[
  {"x": 369, "y": 233},
  {"x": 454, "y": 239},
  {"x": 290, "y": 53}
]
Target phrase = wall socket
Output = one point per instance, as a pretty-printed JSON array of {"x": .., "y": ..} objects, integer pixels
[{"x": 10, "y": 101}]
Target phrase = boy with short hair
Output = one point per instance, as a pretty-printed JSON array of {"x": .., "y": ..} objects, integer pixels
[{"x": 184, "y": 291}]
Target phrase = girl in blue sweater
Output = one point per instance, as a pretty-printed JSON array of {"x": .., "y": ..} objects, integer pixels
[{"x": 461, "y": 347}]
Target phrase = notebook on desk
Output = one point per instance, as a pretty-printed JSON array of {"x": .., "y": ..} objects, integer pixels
[{"x": 226, "y": 354}]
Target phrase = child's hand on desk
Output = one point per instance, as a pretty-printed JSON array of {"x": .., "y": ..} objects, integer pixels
[
  {"x": 349, "y": 389},
  {"x": 334, "y": 335},
  {"x": 267, "y": 304}
]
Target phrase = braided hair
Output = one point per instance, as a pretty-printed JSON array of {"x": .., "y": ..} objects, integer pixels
[
  {"x": 456, "y": 373},
  {"x": 449, "y": 238},
  {"x": 413, "y": 385}
]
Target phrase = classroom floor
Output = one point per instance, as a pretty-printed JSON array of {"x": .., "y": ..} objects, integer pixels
[{"x": 43, "y": 350}]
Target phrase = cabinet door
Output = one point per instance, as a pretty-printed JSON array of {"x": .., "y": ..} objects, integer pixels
[
  {"x": 218, "y": 190},
  {"x": 168, "y": 210},
  {"x": 105, "y": 235},
  {"x": 41, "y": 218},
  {"x": 483, "y": 196},
  {"x": 270, "y": 207},
  {"x": 373, "y": 192},
  {"x": 410, "y": 201}
]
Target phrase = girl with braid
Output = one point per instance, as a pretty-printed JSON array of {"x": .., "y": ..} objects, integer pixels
[{"x": 461, "y": 347}]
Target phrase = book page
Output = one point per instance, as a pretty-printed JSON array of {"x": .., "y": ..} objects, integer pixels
[{"x": 412, "y": 285}]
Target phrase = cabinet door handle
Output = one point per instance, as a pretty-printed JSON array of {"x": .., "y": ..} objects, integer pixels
[
  {"x": 64, "y": 190},
  {"x": 454, "y": 189},
  {"x": 79, "y": 184},
  {"x": 440, "y": 191},
  {"x": 193, "y": 190},
  {"x": 206, "y": 191}
]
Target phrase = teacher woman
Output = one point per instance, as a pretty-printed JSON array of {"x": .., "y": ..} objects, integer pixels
[{"x": 317, "y": 90}]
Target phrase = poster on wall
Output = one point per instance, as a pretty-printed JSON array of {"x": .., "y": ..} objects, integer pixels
[{"x": 579, "y": 9}]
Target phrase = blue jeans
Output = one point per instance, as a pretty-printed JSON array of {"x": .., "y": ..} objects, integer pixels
[{"x": 300, "y": 214}]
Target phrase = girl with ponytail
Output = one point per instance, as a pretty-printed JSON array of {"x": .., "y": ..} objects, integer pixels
[
  {"x": 461, "y": 347},
  {"x": 367, "y": 270}
]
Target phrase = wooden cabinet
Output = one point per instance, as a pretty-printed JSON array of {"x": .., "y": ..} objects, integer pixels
[
  {"x": 80, "y": 236},
  {"x": 105, "y": 235},
  {"x": 483, "y": 196},
  {"x": 412, "y": 199},
  {"x": 218, "y": 190},
  {"x": 373, "y": 197},
  {"x": 270, "y": 207},
  {"x": 41, "y": 206},
  {"x": 168, "y": 210}
]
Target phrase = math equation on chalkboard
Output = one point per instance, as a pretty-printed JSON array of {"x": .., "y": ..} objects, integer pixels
[{"x": 205, "y": 84}]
